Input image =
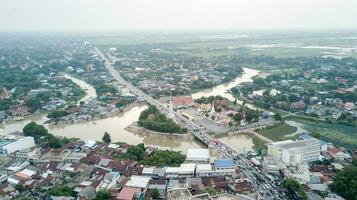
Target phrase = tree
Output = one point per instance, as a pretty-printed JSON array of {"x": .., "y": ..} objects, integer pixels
[
  {"x": 155, "y": 194},
  {"x": 19, "y": 187},
  {"x": 107, "y": 138},
  {"x": 251, "y": 115},
  {"x": 315, "y": 134},
  {"x": 345, "y": 182},
  {"x": 161, "y": 158},
  {"x": 34, "y": 130},
  {"x": 134, "y": 153},
  {"x": 33, "y": 104},
  {"x": 62, "y": 191},
  {"x": 235, "y": 102},
  {"x": 211, "y": 191},
  {"x": 103, "y": 195},
  {"x": 277, "y": 117},
  {"x": 294, "y": 187},
  {"x": 237, "y": 117}
]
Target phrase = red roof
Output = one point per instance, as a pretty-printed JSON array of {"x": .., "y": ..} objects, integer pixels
[
  {"x": 333, "y": 151},
  {"x": 182, "y": 101},
  {"x": 127, "y": 193}
]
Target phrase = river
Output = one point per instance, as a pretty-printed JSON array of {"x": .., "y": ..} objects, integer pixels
[
  {"x": 222, "y": 89},
  {"x": 94, "y": 130},
  {"x": 90, "y": 90}
]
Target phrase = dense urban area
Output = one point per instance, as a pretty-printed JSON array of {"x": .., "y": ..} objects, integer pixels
[{"x": 296, "y": 104}]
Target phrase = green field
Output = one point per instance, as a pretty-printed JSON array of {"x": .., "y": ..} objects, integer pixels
[
  {"x": 278, "y": 132},
  {"x": 338, "y": 134}
]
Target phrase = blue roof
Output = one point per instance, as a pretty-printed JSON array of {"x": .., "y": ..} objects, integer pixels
[
  {"x": 306, "y": 136},
  {"x": 224, "y": 163}
]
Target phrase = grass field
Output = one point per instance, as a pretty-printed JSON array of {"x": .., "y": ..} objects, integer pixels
[
  {"x": 278, "y": 132},
  {"x": 338, "y": 134}
]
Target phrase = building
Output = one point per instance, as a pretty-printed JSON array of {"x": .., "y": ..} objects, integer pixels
[
  {"x": 32, "y": 154},
  {"x": 138, "y": 181},
  {"x": 75, "y": 156},
  {"x": 56, "y": 155},
  {"x": 295, "y": 152},
  {"x": 203, "y": 170},
  {"x": 11, "y": 144},
  {"x": 129, "y": 193},
  {"x": 224, "y": 164},
  {"x": 198, "y": 155},
  {"x": 185, "y": 170},
  {"x": 182, "y": 102}
]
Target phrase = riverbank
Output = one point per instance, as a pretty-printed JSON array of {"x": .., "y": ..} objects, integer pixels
[
  {"x": 117, "y": 125},
  {"x": 134, "y": 128}
]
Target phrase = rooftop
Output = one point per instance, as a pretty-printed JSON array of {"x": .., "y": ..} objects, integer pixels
[
  {"x": 138, "y": 181},
  {"x": 298, "y": 146},
  {"x": 128, "y": 193},
  {"x": 224, "y": 163},
  {"x": 193, "y": 154}
]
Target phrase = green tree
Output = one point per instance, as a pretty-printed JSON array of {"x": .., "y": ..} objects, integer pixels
[
  {"x": 134, "y": 153},
  {"x": 345, "y": 182},
  {"x": 62, "y": 191},
  {"x": 107, "y": 138},
  {"x": 35, "y": 130},
  {"x": 237, "y": 117},
  {"x": 103, "y": 195},
  {"x": 155, "y": 194},
  {"x": 251, "y": 115},
  {"x": 33, "y": 104},
  {"x": 161, "y": 158},
  {"x": 211, "y": 191},
  {"x": 19, "y": 187},
  {"x": 277, "y": 117},
  {"x": 294, "y": 187}
]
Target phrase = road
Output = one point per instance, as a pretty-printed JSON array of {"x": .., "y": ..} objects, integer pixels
[{"x": 261, "y": 183}]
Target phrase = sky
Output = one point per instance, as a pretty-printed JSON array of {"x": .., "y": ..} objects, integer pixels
[{"x": 112, "y": 15}]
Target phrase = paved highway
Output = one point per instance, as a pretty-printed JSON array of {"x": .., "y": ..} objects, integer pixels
[{"x": 261, "y": 183}]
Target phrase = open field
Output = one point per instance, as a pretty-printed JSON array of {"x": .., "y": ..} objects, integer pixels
[
  {"x": 336, "y": 133},
  {"x": 212, "y": 44},
  {"x": 278, "y": 132}
]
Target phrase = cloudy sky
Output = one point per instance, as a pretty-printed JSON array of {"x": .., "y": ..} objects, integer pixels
[{"x": 106, "y": 15}]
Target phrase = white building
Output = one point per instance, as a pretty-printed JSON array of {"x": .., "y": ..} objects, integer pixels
[
  {"x": 11, "y": 145},
  {"x": 198, "y": 155},
  {"x": 138, "y": 181},
  {"x": 32, "y": 154},
  {"x": 185, "y": 170},
  {"x": 295, "y": 152}
]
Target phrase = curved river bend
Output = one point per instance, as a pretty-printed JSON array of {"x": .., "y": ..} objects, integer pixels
[{"x": 94, "y": 130}]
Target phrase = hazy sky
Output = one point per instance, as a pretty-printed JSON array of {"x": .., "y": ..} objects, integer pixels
[{"x": 53, "y": 15}]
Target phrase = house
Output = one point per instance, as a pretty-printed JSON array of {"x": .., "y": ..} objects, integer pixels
[
  {"x": 298, "y": 105},
  {"x": 8, "y": 191},
  {"x": 75, "y": 157},
  {"x": 159, "y": 184},
  {"x": 182, "y": 102},
  {"x": 349, "y": 106},
  {"x": 31, "y": 154},
  {"x": 129, "y": 193},
  {"x": 57, "y": 155},
  {"x": 337, "y": 153},
  {"x": 243, "y": 187},
  {"x": 88, "y": 193}
]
